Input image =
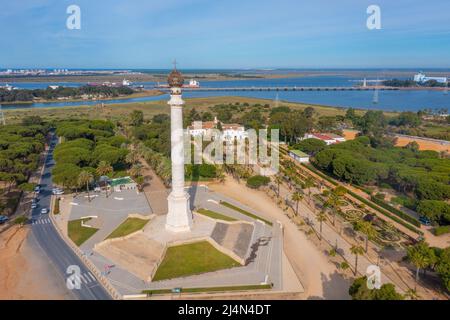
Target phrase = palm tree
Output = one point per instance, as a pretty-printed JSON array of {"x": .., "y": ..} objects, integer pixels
[
  {"x": 412, "y": 294},
  {"x": 86, "y": 177},
  {"x": 132, "y": 157},
  {"x": 278, "y": 181},
  {"x": 321, "y": 217},
  {"x": 333, "y": 203},
  {"x": 220, "y": 173},
  {"x": 104, "y": 168},
  {"x": 135, "y": 170},
  {"x": 334, "y": 200},
  {"x": 368, "y": 230},
  {"x": 356, "y": 250},
  {"x": 421, "y": 256},
  {"x": 297, "y": 197},
  {"x": 11, "y": 181},
  {"x": 140, "y": 180},
  {"x": 308, "y": 184}
]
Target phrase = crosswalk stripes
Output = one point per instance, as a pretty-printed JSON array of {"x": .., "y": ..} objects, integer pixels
[
  {"x": 87, "y": 278},
  {"x": 41, "y": 221},
  {"x": 92, "y": 277}
]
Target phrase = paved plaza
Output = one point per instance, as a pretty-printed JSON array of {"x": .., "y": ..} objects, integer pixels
[
  {"x": 262, "y": 244},
  {"x": 109, "y": 211}
]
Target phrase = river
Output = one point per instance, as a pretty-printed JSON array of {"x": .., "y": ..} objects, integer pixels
[{"x": 401, "y": 100}]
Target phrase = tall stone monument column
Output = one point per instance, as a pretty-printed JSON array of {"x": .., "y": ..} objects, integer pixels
[{"x": 179, "y": 217}]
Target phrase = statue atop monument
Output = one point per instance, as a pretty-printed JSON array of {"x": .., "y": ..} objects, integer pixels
[{"x": 175, "y": 79}]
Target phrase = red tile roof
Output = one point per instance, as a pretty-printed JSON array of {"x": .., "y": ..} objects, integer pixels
[{"x": 322, "y": 136}]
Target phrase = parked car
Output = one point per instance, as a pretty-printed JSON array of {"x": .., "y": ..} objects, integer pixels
[
  {"x": 44, "y": 210},
  {"x": 58, "y": 191},
  {"x": 33, "y": 205},
  {"x": 424, "y": 220},
  {"x": 3, "y": 219}
]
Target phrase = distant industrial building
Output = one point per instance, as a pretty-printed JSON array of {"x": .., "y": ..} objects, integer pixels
[{"x": 422, "y": 78}]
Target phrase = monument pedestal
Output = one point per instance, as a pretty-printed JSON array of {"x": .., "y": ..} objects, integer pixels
[{"x": 179, "y": 217}]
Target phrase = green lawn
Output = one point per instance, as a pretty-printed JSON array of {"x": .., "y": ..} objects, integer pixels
[
  {"x": 244, "y": 212},
  {"x": 127, "y": 227},
  {"x": 212, "y": 289},
  {"x": 193, "y": 258},
  {"x": 215, "y": 215},
  {"x": 79, "y": 234}
]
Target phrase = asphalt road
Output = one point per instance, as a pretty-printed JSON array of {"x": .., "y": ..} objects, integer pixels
[{"x": 60, "y": 254}]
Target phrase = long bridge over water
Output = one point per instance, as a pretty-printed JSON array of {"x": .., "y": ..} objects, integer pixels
[{"x": 360, "y": 88}]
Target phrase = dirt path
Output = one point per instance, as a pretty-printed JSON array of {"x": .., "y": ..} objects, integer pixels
[
  {"x": 316, "y": 273},
  {"x": 25, "y": 272}
]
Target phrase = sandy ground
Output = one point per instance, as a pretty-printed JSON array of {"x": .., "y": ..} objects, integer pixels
[
  {"x": 319, "y": 276},
  {"x": 424, "y": 143},
  {"x": 25, "y": 272}
]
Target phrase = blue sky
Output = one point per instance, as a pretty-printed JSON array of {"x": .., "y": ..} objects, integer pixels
[{"x": 225, "y": 34}]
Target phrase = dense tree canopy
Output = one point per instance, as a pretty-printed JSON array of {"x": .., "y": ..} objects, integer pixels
[
  {"x": 20, "y": 146},
  {"x": 66, "y": 92},
  {"x": 359, "y": 291},
  {"x": 93, "y": 143},
  {"x": 311, "y": 146},
  {"x": 437, "y": 211},
  {"x": 410, "y": 171}
]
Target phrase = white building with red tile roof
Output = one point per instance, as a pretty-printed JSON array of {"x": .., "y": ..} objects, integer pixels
[
  {"x": 230, "y": 131},
  {"x": 328, "y": 138}
]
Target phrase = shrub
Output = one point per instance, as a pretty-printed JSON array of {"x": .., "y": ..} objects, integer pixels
[
  {"x": 435, "y": 210},
  {"x": 380, "y": 196},
  {"x": 27, "y": 186},
  {"x": 207, "y": 170},
  {"x": 438, "y": 231},
  {"x": 405, "y": 202},
  {"x": 359, "y": 291},
  {"x": 56, "y": 208},
  {"x": 20, "y": 220},
  {"x": 255, "y": 182}
]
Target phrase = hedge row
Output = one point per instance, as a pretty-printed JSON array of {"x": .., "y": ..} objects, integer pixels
[
  {"x": 313, "y": 169},
  {"x": 395, "y": 211},
  {"x": 370, "y": 204},
  {"x": 386, "y": 213}
]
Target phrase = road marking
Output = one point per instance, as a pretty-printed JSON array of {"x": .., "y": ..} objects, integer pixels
[
  {"x": 83, "y": 279},
  {"x": 41, "y": 221},
  {"x": 88, "y": 279},
  {"x": 74, "y": 203},
  {"x": 116, "y": 198},
  {"x": 93, "y": 278}
]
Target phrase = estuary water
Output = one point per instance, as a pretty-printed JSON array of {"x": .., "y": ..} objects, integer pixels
[{"x": 401, "y": 100}]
